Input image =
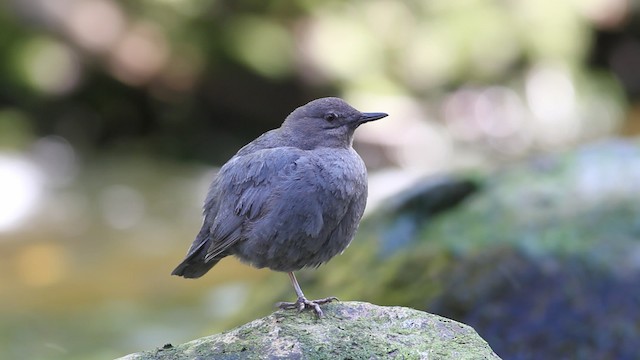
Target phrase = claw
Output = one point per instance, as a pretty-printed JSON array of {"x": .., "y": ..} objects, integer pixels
[{"x": 302, "y": 303}]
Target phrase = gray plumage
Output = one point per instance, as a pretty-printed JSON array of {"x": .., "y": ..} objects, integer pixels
[{"x": 290, "y": 199}]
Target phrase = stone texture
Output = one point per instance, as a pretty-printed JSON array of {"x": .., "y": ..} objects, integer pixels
[{"x": 349, "y": 330}]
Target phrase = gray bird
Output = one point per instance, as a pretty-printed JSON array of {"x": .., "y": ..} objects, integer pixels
[{"x": 290, "y": 199}]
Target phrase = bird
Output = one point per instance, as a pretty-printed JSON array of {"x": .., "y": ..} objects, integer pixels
[{"x": 291, "y": 199}]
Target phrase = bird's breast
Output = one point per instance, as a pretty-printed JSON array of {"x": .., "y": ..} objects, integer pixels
[
  {"x": 314, "y": 217},
  {"x": 343, "y": 171}
]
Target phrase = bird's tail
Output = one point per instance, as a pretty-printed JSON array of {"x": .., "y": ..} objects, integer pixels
[
  {"x": 194, "y": 265},
  {"x": 193, "y": 269}
]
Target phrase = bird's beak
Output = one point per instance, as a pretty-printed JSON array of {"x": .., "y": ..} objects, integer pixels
[{"x": 366, "y": 117}]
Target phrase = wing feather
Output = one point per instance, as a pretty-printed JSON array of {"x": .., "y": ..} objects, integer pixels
[{"x": 241, "y": 191}]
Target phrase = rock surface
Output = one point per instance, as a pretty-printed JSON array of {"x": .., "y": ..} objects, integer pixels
[{"x": 349, "y": 330}]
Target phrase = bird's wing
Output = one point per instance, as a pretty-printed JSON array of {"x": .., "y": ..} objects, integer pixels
[{"x": 241, "y": 190}]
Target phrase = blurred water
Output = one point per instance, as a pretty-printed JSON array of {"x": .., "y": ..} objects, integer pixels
[{"x": 84, "y": 273}]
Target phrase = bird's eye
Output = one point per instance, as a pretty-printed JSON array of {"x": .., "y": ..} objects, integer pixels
[{"x": 330, "y": 117}]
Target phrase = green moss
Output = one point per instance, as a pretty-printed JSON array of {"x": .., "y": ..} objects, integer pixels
[{"x": 348, "y": 331}]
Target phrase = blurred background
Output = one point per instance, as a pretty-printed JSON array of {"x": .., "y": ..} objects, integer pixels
[{"x": 115, "y": 114}]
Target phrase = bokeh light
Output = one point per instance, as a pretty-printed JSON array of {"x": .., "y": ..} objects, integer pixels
[
  {"x": 140, "y": 54},
  {"x": 20, "y": 190},
  {"x": 96, "y": 25},
  {"x": 263, "y": 45},
  {"x": 56, "y": 159},
  {"x": 41, "y": 264},
  {"x": 49, "y": 66}
]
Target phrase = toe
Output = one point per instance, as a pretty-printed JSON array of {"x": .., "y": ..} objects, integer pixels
[
  {"x": 286, "y": 305},
  {"x": 318, "y": 311},
  {"x": 326, "y": 300}
]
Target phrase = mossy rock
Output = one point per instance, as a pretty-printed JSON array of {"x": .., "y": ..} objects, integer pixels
[{"x": 349, "y": 330}]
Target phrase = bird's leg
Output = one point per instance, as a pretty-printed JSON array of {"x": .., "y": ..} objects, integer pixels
[{"x": 302, "y": 302}]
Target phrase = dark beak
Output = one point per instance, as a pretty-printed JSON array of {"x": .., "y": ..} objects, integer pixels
[{"x": 366, "y": 117}]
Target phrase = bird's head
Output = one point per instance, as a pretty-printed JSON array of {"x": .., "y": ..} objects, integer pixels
[{"x": 325, "y": 122}]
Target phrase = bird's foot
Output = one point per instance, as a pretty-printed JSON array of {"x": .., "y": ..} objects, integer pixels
[{"x": 302, "y": 303}]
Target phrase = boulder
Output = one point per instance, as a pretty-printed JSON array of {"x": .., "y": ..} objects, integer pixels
[{"x": 349, "y": 330}]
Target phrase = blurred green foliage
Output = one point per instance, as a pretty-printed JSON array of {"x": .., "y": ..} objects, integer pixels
[{"x": 133, "y": 76}]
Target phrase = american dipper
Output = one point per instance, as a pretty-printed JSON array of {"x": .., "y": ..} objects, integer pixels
[{"x": 292, "y": 198}]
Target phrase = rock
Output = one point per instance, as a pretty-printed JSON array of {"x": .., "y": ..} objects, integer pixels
[
  {"x": 399, "y": 221},
  {"x": 349, "y": 330}
]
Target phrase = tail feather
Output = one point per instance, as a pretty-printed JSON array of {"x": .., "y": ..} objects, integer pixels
[
  {"x": 194, "y": 265},
  {"x": 193, "y": 268}
]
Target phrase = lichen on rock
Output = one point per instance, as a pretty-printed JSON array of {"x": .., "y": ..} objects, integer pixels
[{"x": 349, "y": 330}]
